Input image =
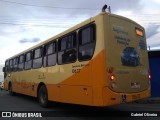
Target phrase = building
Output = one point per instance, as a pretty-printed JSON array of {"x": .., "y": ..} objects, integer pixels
[{"x": 154, "y": 61}]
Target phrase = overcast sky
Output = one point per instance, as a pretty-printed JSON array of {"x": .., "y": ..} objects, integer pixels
[{"x": 24, "y": 23}]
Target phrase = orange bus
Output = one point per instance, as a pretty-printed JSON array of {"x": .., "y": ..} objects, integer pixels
[{"x": 100, "y": 62}]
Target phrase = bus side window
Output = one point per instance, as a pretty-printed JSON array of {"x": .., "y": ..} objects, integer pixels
[
  {"x": 10, "y": 65},
  {"x": 49, "y": 53},
  {"x": 44, "y": 56},
  {"x": 67, "y": 50},
  {"x": 87, "y": 41},
  {"x": 21, "y": 62},
  {"x": 6, "y": 68},
  {"x": 28, "y": 61},
  {"x": 37, "y": 58},
  {"x": 15, "y": 64}
]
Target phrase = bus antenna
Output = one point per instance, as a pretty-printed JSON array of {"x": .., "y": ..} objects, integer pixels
[{"x": 105, "y": 7}]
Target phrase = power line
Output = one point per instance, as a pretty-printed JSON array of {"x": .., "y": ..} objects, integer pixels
[
  {"x": 44, "y": 21},
  {"x": 57, "y": 22},
  {"x": 24, "y": 4},
  {"x": 56, "y": 26},
  {"x": 22, "y": 24}
]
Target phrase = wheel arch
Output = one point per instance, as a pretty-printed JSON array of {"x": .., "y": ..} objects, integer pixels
[
  {"x": 39, "y": 85},
  {"x": 9, "y": 83}
]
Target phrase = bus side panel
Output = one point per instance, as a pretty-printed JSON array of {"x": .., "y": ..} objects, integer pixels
[
  {"x": 78, "y": 89},
  {"x": 53, "y": 92},
  {"x": 70, "y": 94},
  {"x": 5, "y": 85},
  {"x": 24, "y": 84},
  {"x": 98, "y": 63},
  {"x": 75, "y": 88},
  {"x": 99, "y": 78},
  {"x": 71, "y": 83}
]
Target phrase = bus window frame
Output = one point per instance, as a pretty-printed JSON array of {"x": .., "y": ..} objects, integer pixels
[
  {"x": 46, "y": 52},
  {"x": 11, "y": 69},
  {"x": 33, "y": 54},
  {"x": 21, "y": 62},
  {"x": 5, "y": 68},
  {"x": 31, "y": 59},
  {"x": 95, "y": 36},
  {"x": 15, "y": 70},
  {"x": 74, "y": 47}
]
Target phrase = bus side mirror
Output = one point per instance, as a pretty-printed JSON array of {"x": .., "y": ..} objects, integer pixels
[{"x": 3, "y": 69}]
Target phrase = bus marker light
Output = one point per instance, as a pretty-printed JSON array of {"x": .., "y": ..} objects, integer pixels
[
  {"x": 139, "y": 32},
  {"x": 149, "y": 76},
  {"x": 112, "y": 77}
]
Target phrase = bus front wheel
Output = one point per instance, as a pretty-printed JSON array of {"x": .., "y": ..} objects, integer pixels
[{"x": 43, "y": 96}]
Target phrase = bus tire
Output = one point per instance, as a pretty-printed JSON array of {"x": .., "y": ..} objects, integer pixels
[
  {"x": 43, "y": 96},
  {"x": 10, "y": 90}
]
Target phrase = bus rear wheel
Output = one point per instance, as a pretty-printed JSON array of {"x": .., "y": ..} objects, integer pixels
[
  {"x": 43, "y": 96},
  {"x": 10, "y": 90}
]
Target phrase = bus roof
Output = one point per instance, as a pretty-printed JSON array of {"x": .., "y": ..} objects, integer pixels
[{"x": 127, "y": 19}]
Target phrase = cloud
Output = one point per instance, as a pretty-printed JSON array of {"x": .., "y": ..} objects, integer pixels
[
  {"x": 33, "y": 40},
  {"x": 7, "y": 29},
  {"x": 126, "y": 5},
  {"x": 22, "y": 21},
  {"x": 152, "y": 30},
  {"x": 157, "y": 1},
  {"x": 157, "y": 45},
  {"x": 63, "y": 7}
]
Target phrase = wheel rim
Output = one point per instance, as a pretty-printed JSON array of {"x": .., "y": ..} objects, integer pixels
[
  {"x": 43, "y": 96},
  {"x": 10, "y": 88}
]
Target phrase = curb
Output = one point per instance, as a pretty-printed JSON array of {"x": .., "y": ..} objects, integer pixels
[{"x": 155, "y": 100}]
